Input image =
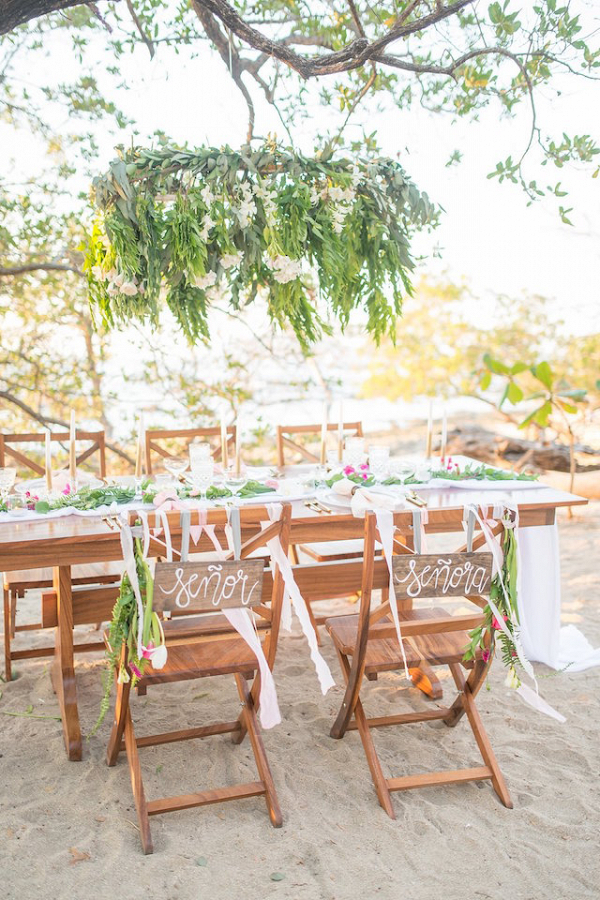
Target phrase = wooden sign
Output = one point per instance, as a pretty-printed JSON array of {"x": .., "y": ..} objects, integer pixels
[
  {"x": 431, "y": 575},
  {"x": 205, "y": 587}
]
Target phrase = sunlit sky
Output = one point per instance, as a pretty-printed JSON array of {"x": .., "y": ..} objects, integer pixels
[{"x": 487, "y": 238}]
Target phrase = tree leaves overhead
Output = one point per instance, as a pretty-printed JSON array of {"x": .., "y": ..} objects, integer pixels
[{"x": 215, "y": 224}]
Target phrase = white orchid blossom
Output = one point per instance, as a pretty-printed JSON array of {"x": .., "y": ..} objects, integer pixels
[
  {"x": 129, "y": 288},
  {"x": 512, "y": 680},
  {"x": 284, "y": 268},
  {"x": 229, "y": 260},
  {"x": 205, "y": 281},
  {"x": 159, "y": 657}
]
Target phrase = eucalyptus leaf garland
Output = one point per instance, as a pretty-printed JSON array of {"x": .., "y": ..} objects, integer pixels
[{"x": 214, "y": 226}]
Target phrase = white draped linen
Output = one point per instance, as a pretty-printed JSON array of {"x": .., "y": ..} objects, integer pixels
[{"x": 544, "y": 640}]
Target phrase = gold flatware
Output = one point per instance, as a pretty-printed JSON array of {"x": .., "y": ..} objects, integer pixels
[
  {"x": 326, "y": 509},
  {"x": 109, "y": 522},
  {"x": 314, "y": 507},
  {"x": 414, "y": 498}
]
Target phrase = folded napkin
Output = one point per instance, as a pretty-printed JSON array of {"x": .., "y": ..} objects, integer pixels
[{"x": 364, "y": 499}]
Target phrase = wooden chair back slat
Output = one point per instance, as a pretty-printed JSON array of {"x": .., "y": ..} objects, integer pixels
[
  {"x": 9, "y": 449},
  {"x": 211, "y": 434},
  {"x": 287, "y": 433}
]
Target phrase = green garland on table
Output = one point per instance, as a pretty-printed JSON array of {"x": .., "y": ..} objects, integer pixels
[
  {"x": 216, "y": 225},
  {"x": 363, "y": 476},
  {"x": 486, "y": 637}
]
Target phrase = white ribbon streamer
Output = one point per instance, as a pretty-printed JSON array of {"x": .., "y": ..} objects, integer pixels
[
  {"x": 299, "y": 604},
  {"x": 385, "y": 525}
]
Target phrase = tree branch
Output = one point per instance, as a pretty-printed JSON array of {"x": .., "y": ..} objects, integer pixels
[
  {"x": 46, "y": 421},
  {"x": 16, "y": 12},
  {"x": 11, "y": 271},
  {"x": 138, "y": 25}
]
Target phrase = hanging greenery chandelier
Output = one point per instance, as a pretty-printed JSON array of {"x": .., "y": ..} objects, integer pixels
[{"x": 213, "y": 226}]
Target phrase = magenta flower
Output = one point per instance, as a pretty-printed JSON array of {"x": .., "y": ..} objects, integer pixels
[
  {"x": 349, "y": 470},
  {"x": 364, "y": 466},
  {"x": 67, "y": 489},
  {"x": 496, "y": 623},
  {"x": 365, "y": 476},
  {"x": 485, "y": 655},
  {"x": 147, "y": 651},
  {"x": 135, "y": 670}
]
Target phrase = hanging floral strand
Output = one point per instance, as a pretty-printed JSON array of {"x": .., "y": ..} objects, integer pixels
[{"x": 485, "y": 636}]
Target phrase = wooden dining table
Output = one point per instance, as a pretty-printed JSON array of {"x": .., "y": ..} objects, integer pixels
[{"x": 64, "y": 542}]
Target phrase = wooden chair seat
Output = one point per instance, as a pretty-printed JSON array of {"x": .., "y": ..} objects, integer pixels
[
  {"x": 199, "y": 660},
  {"x": 327, "y": 551},
  {"x": 384, "y": 655}
]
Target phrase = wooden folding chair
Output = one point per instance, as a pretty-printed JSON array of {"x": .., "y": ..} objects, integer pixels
[
  {"x": 16, "y": 448},
  {"x": 182, "y": 437},
  {"x": 297, "y": 439},
  {"x": 368, "y": 644},
  {"x": 210, "y": 648}
]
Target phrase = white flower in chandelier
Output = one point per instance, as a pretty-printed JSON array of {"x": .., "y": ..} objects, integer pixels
[
  {"x": 229, "y": 260},
  {"x": 129, "y": 288},
  {"x": 216, "y": 294},
  {"x": 284, "y": 268},
  {"x": 98, "y": 273},
  {"x": 270, "y": 207},
  {"x": 315, "y": 196},
  {"x": 336, "y": 193},
  {"x": 207, "y": 195},
  {"x": 207, "y": 224},
  {"x": 205, "y": 281}
]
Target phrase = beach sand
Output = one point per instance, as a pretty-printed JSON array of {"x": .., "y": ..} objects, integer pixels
[{"x": 68, "y": 830}]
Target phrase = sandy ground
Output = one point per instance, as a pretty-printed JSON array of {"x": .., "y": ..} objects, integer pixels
[{"x": 67, "y": 830}]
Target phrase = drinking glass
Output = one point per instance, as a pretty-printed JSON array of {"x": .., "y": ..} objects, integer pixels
[
  {"x": 354, "y": 451},
  {"x": 379, "y": 461},
  {"x": 203, "y": 471},
  {"x": 8, "y": 475},
  {"x": 176, "y": 466},
  {"x": 200, "y": 450},
  {"x": 235, "y": 482}
]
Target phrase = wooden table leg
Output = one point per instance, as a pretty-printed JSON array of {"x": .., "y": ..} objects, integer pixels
[{"x": 63, "y": 670}]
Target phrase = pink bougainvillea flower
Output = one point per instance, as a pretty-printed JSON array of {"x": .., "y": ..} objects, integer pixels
[
  {"x": 148, "y": 651},
  {"x": 135, "y": 670},
  {"x": 364, "y": 466},
  {"x": 365, "y": 476},
  {"x": 349, "y": 470},
  {"x": 485, "y": 655},
  {"x": 271, "y": 482},
  {"x": 496, "y": 623},
  {"x": 67, "y": 488}
]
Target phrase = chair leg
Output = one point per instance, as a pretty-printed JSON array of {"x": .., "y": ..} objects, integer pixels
[
  {"x": 475, "y": 680},
  {"x": 377, "y": 775},
  {"x": 7, "y": 630},
  {"x": 483, "y": 741},
  {"x": 116, "y": 735},
  {"x": 14, "y": 596},
  {"x": 313, "y": 622},
  {"x": 258, "y": 749},
  {"x": 137, "y": 784}
]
